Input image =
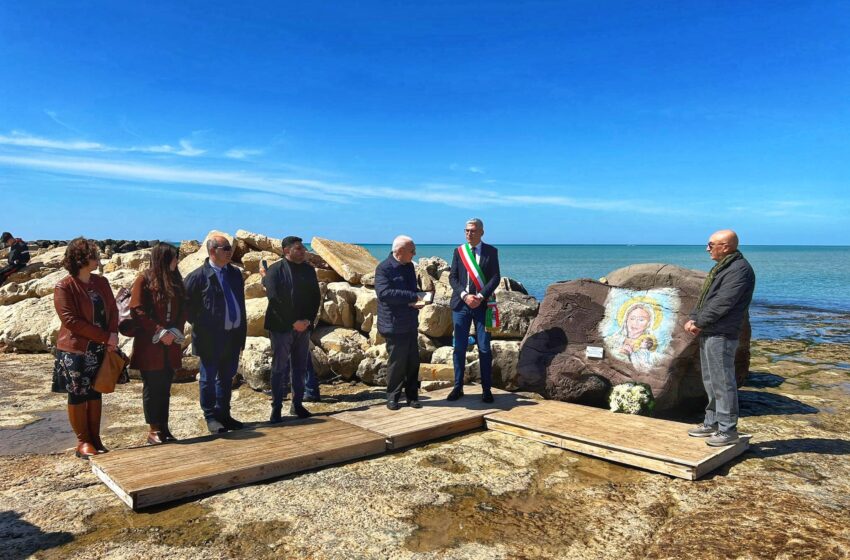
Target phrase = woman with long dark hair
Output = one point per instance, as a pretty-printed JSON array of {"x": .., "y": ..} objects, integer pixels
[
  {"x": 89, "y": 316},
  {"x": 158, "y": 308}
]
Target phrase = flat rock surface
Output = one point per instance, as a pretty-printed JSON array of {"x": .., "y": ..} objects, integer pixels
[
  {"x": 350, "y": 261},
  {"x": 480, "y": 495}
]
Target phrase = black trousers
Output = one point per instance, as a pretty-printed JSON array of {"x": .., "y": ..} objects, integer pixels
[
  {"x": 156, "y": 395},
  {"x": 402, "y": 366}
]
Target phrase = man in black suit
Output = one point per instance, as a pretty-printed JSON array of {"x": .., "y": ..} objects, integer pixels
[
  {"x": 474, "y": 278},
  {"x": 294, "y": 299},
  {"x": 216, "y": 294}
]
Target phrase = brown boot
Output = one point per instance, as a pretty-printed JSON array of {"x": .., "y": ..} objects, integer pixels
[
  {"x": 79, "y": 423},
  {"x": 93, "y": 412},
  {"x": 155, "y": 435}
]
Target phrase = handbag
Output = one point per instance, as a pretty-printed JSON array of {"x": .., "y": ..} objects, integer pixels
[
  {"x": 111, "y": 369},
  {"x": 126, "y": 324}
]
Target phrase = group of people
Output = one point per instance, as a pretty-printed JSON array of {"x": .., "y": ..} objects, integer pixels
[{"x": 212, "y": 299}]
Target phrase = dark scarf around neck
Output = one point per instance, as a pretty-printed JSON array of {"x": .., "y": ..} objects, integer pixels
[{"x": 715, "y": 270}]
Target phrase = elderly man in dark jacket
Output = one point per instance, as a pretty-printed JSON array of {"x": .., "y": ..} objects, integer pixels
[
  {"x": 216, "y": 309},
  {"x": 294, "y": 299},
  {"x": 717, "y": 319},
  {"x": 19, "y": 255},
  {"x": 398, "y": 321}
]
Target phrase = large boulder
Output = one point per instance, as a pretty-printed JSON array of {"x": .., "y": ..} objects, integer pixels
[
  {"x": 122, "y": 278},
  {"x": 338, "y": 305},
  {"x": 187, "y": 247},
  {"x": 505, "y": 359},
  {"x": 255, "y": 363},
  {"x": 435, "y": 320},
  {"x": 516, "y": 312},
  {"x": 13, "y": 292},
  {"x": 196, "y": 259},
  {"x": 251, "y": 261},
  {"x": 30, "y": 325},
  {"x": 639, "y": 329},
  {"x": 689, "y": 282},
  {"x": 365, "y": 308},
  {"x": 345, "y": 348},
  {"x": 135, "y": 260},
  {"x": 254, "y": 287},
  {"x": 350, "y": 261},
  {"x": 260, "y": 242},
  {"x": 255, "y": 309}
]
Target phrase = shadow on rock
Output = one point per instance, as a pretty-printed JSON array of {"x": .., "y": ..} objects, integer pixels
[
  {"x": 821, "y": 446},
  {"x": 22, "y": 539},
  {"x": 761, "y": 380},
  {"x": 759, "y": 403}
]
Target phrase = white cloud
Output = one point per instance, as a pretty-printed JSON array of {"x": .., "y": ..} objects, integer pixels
[
  {"x": 475, "y": 169},
  {"x": 23, "y": 140},
  {"x": 241, "y": 153}
]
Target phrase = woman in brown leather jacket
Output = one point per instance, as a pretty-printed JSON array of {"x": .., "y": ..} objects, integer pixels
[
  {"x": 158, "y": 307},
  {"x": 89, "y": 316}
]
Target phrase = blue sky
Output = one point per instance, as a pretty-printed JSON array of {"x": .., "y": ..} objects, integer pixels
[{"x": 555, "y": 122}]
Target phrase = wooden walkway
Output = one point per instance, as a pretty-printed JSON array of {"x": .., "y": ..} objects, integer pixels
[
  {"x": 437, "y": 417},
  {"x": 649, "y": 443},
  {"x": 144, "y": 476}
]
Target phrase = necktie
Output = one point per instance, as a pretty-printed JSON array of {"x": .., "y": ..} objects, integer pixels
[{"x": 228, "y": 296}]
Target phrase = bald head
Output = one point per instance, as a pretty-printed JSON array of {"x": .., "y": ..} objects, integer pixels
[
  {"x": 219, "y": 250},
  {"x": 722, "y": 243}
]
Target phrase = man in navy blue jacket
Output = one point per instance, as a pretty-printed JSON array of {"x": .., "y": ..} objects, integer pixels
[
  {"x": 216, "y": 294},
  {"x": 470, "y": 294},
  {"x": 398, "y": 321}
]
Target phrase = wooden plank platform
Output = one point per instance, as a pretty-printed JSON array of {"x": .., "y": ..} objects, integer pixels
[
  {"x": 144, "y": 476},
  {"x": 437, "y": 417},
  {"x": 649, "y": 443}
]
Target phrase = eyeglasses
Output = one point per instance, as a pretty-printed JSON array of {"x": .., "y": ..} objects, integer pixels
[
  {"x": 225, "y": 248},
  {"x": 470, "y": 230},
  {"x": 712, "y": 244}
]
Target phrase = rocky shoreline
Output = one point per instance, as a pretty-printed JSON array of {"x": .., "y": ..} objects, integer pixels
[{"x": 480, "y": 495}]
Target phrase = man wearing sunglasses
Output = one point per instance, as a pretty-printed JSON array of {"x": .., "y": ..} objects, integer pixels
[
  {"x": 216, "y": 294},
  {"x": 723, "y": 302}
]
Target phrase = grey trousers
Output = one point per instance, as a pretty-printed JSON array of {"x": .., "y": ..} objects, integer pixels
[{"x": 717, "y": 359}]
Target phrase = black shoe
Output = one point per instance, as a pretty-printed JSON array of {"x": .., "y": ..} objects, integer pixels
[
  {"x": 275, "y": 418},
  {"x": 393, "y": 405},
  {"x": 231, "y": 423},
  {"x": 215, "y": 427},
  {"x": 415, "y": 404},
  {"x": 299, "y": 411},
  {"x": 487, "y": 397},
  {"x": 455, "y": 394}
]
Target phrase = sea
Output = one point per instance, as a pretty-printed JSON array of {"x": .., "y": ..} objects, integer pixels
[{"x": 801, "y": 292}]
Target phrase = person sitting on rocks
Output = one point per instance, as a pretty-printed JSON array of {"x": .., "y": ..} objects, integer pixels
[
  {"x": 294, "y": 299},
  {"x": 158, "y": 309},
  {"x": 19, "y": 255},
  {"x": 89, "y": 317}
]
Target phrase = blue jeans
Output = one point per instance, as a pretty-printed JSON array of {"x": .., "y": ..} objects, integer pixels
[
  {"x": 311, "y": 382},
  {"x": 216, "y": 382},
  {"x": 462, "y": 322},
  {"x": 289, "y": 346},
  {"x": 717, "y": 360}
]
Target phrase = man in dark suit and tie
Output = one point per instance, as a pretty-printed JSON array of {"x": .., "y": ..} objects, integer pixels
[
  {"x": 474, "y": 277},
  {"x": 216, "y": 294}
]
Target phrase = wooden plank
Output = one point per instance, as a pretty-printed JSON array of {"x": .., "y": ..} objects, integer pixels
[
  {"x": 141, "y": 476},
  {"x": 649, "y": 443},
  {"x": 437, "y": 418}
]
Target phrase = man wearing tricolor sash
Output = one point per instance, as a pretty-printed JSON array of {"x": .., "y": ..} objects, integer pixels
[{"x": 474, "y": 278}]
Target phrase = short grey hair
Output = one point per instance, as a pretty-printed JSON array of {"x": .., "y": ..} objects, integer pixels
[
  {"x": 211, "y": 242},
  {"x": 400, "y": 241},
  {"x": 477, "y": 221}
]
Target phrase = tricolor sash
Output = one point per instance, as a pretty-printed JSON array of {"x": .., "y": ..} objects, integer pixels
[{"x": 476, "y": 276}]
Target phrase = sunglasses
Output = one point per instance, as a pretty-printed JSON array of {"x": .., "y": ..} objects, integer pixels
[
  {"x": 225, "y": 248},
  {"x": 470, "y": 230},
  {"x": 712, "y": 244}
]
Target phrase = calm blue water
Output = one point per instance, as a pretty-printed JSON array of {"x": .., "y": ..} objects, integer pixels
[{"x": 801, "y": 292}]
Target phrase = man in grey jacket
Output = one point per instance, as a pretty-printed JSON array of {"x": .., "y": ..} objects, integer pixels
[{"x": 717, "y": 319}]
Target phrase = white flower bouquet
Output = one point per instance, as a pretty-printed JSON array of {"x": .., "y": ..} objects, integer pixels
[{"x": 632, "y": 398}]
